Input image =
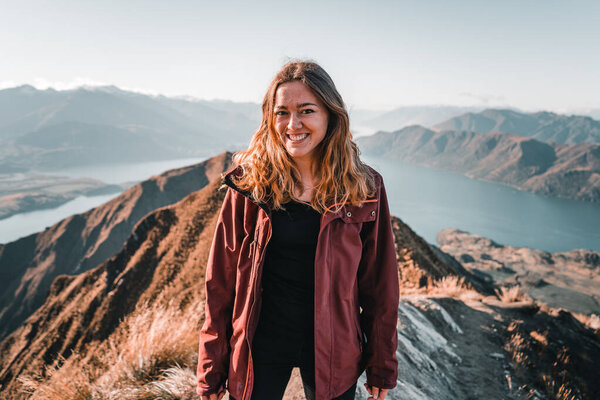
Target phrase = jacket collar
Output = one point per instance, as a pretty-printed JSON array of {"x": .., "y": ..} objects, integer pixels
[
  {"x": 268, "y": 206},
  {"x": 345, "y": 212}
]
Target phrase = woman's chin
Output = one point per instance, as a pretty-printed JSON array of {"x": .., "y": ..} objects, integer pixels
[{"x": 299, "y": 155}]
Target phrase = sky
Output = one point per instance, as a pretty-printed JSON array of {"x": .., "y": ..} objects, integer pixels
[{"x": 529, "y": 54}]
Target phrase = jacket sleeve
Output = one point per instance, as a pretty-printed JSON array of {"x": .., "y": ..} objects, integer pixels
[
  {"x": 214, "y": 348},
  {"x": 379, "y": 296}
]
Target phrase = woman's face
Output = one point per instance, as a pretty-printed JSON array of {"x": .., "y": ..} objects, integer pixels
[{"x": 300, "y": 120}]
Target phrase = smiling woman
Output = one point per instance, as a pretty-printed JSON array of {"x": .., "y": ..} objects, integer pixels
[
  {"x": 301, "y": 121},
  {"x": 302, "y": 269}
]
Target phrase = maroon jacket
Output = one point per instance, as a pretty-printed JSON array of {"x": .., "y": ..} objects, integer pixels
[{"x": 355, "y": 268}]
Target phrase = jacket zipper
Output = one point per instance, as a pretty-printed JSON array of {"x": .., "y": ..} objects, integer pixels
[{"x": 252, "y": 308}]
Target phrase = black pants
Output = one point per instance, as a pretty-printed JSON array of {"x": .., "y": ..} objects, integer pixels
[{"x": 273, "y": 363}]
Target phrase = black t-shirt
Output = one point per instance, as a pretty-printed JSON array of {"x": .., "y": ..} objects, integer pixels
[{"x": 287, "y": 311}]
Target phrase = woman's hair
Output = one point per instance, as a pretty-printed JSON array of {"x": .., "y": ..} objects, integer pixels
[{"x": 269, "y": 172}]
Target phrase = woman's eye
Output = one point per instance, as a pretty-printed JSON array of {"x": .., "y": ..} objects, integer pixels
[{"x": 307, "y": 111}]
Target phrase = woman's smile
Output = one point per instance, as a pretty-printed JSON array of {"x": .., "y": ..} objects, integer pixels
[{"x": 297, "y": 138}]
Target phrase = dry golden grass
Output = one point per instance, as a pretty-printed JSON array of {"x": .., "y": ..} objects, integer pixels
[
  {"x": 516, "y": 346},
  {"x": 551, "y": 371},
  {"x": 176, "y": 384},
  {"x": 71, "y": 381},
  {"x": 512, "y": 294},
  {"x": 539, "y": 337},
  {"x": 450, "y": 286},
  {"x": 151, "y": 356},
  {"x": 557, "y": 390},
  {"x": 153, "y": 339},
  {"x": 591, "y": 321}
]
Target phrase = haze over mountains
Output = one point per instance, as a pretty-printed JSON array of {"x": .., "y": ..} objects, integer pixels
[
  {"x": 126, "y": 323},
  {"x": 49, "y": 129},
  {"x": 543, "y": 126},
  {"x": 409, "y": 115}
]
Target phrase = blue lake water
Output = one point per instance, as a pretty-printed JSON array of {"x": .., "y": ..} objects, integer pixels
[
  {"x": 428, "y": 200},
  {"x": 120, "y": 173},
  {"x": 27, "y": 223}
]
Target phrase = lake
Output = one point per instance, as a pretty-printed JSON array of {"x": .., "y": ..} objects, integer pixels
[
  {"x": 428, "y": 200},
  {"x": 27, "y": 223}
]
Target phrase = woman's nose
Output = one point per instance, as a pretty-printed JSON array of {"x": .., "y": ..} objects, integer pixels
[{"x": 294, "y": 122}]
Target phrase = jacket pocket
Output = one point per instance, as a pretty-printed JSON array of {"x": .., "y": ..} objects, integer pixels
[{"x": 354, "y": 214}]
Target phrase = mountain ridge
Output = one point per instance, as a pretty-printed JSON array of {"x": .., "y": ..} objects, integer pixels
[
  {"x": 77, "y": 243},
  {"x": 542, "y": 125},
  {"x": 155, "y": 127},
  {"x": 569, "y": 171}
]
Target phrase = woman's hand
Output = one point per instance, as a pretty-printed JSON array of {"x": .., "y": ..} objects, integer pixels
[
  {"x": 376, "y": 393},
  {"x": 215, "y": 396}
]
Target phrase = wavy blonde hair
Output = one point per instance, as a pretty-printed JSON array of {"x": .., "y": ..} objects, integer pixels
[{"x": 269, "y": 172}]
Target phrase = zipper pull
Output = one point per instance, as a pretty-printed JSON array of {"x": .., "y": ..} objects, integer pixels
[{"x": 250, "y": 249}]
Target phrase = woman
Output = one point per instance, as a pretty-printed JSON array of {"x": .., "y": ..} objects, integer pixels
[{"x": 302, "y": 270}]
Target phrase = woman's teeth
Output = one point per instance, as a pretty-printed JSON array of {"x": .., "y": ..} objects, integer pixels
[{"x": 298, "y": 138}]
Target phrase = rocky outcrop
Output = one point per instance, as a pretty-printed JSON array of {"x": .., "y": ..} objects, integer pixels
[{"x": 570, "y": 280}]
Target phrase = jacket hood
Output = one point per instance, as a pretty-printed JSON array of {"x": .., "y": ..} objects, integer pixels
[
  {"x": 268, "y": 206},
  {"x": 238, "y": 171}
]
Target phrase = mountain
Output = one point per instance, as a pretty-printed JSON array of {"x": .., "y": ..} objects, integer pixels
[
  {"x": 68, "y": 144},
  {"x": 230, "y": 110},
  {"x": 128, "y": 327},
  {"x": 410, "y": 115},
  {"x": 543, "y": 126},
  {"x": 569, "y": 280},
  {"x": 29, "y": 265},
  {"x": 159, "y": 262},
  {"x": 570, "y": 171},
  {"x": 51, "y": 129}
]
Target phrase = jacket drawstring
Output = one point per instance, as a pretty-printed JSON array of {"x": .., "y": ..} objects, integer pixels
[{"x": 362, "y": 201}]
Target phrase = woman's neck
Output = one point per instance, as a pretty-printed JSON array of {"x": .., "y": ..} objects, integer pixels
[
  {"x": 307, "y": 178},
  {"x": 306, "y": 171}
]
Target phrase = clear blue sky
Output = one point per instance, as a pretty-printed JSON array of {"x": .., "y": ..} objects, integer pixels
[{"x": 532, "y": 54}]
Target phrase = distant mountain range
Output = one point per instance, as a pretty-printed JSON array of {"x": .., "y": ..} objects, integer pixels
[
  {"x": 408, "y": 115},
  {"x": 49, "y": 129},
  {"x": 544, "y": 126},
  {"x": 571, "y": 171},
  {"x": 46, "y": 130}
]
